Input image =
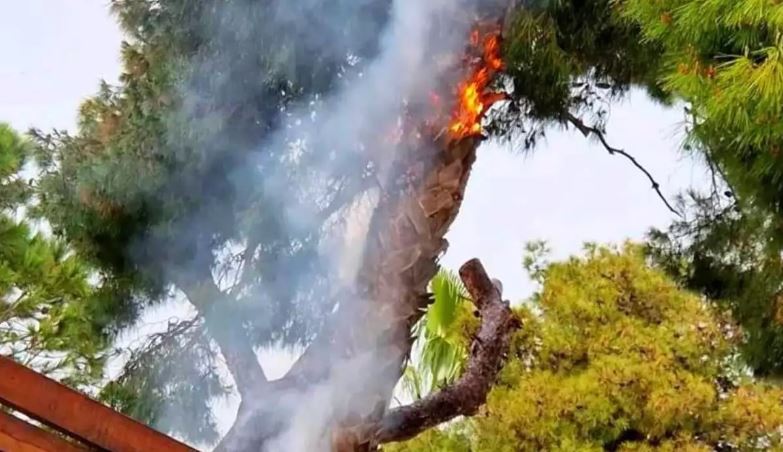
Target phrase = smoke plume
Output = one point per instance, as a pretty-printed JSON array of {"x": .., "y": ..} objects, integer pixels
[{"x": 299, "y": 172}]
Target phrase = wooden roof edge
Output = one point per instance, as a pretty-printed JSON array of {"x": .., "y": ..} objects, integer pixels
[
  {"x": 18, "y": 435},
  {"x": 77, "y": 415}
]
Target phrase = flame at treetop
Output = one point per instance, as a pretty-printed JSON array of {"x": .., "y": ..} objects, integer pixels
[{"x": 473, "y": 100}]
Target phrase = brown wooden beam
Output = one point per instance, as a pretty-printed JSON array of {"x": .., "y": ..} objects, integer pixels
[
  {"x": 77, "y": 415},
  {"x": 17, "y": 435}
]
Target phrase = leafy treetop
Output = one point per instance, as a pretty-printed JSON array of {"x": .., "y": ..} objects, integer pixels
[
  {"x": 51, "y": 317},
  {"x": 614, "y": 356}
]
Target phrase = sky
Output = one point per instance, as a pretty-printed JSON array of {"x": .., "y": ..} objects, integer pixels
[{"x": 568, "y": 191}]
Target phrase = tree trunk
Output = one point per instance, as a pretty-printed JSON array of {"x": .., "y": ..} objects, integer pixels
[{"x": 407, "y": 238}]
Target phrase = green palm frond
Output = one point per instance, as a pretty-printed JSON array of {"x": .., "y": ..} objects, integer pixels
[
  {"x": 440, "y": 349},
  {"x": 449, "y": 293}
]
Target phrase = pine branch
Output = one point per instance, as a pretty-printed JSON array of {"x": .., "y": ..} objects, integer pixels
[
  {"x": 8, "y": 310},
  {"x": 587, "y": 130},
  {"x": 466, "y": 395}
]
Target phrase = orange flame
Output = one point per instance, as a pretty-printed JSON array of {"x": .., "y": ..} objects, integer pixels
[{"x": 473, "y": 101}]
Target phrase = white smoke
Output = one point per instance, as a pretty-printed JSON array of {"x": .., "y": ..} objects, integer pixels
[
  {"x": 364, "y": 109},
  {"x": 319, "y": 143}
]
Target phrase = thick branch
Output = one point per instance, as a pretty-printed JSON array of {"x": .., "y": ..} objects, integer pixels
[
  {"x": 587, "y": 130},
  {"x": 226, "y": 329},
  {"x": 488, "y": 351}
]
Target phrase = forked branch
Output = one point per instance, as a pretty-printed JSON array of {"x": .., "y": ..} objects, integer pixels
[
  {"x": 466, "y": 395},
  {"x": 587, "y": 130}
]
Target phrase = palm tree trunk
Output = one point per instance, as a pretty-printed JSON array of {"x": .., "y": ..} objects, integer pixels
[{"x": 407, "y": 238}]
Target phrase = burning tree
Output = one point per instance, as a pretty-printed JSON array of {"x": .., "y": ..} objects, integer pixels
[
  {"x": 245, "y": 135},
  {"x": 370, "y": 333}
]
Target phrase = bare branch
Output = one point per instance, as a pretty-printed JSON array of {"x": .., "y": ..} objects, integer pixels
[
  {"x": 8, "y": 310},
  {"x": 587, "y": 130},
  {"x": 245, "y": 271},
  {"x": 466, "y": 395}
]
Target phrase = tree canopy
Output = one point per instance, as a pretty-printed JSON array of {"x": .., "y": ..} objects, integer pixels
[
  {"x": 615, "y": 356},
  {"x": 52, "y": 317},
  {"x": 196, "y": 176},
  {"x": 731, "y": 254}
]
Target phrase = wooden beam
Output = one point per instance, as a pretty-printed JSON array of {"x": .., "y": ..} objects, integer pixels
[
  {"x": 77, "y": 415},
  {"x": 17, "y": 435}
]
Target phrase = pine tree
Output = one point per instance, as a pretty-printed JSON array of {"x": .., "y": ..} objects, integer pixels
[
  {"x": 731, "y": 254},
  {"x": 724, "y": 59},
  {"x": 146, "y": 190},
  {"x": 51, "y": 317},
  {"x": 614, "y": 356}
]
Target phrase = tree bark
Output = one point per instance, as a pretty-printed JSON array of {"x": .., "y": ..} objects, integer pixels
[
  {"x": 466, "y": 395},
  {"x": 407, "y": 239}
]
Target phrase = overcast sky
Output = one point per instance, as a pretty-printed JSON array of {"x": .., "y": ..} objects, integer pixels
[{"x": 55, "y": 52}]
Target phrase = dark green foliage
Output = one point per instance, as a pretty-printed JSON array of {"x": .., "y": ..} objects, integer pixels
[
  {"x": 571, "y": 57},
  {"x": 732, "y": 254},
  {"x": 160, "y": 179}
]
